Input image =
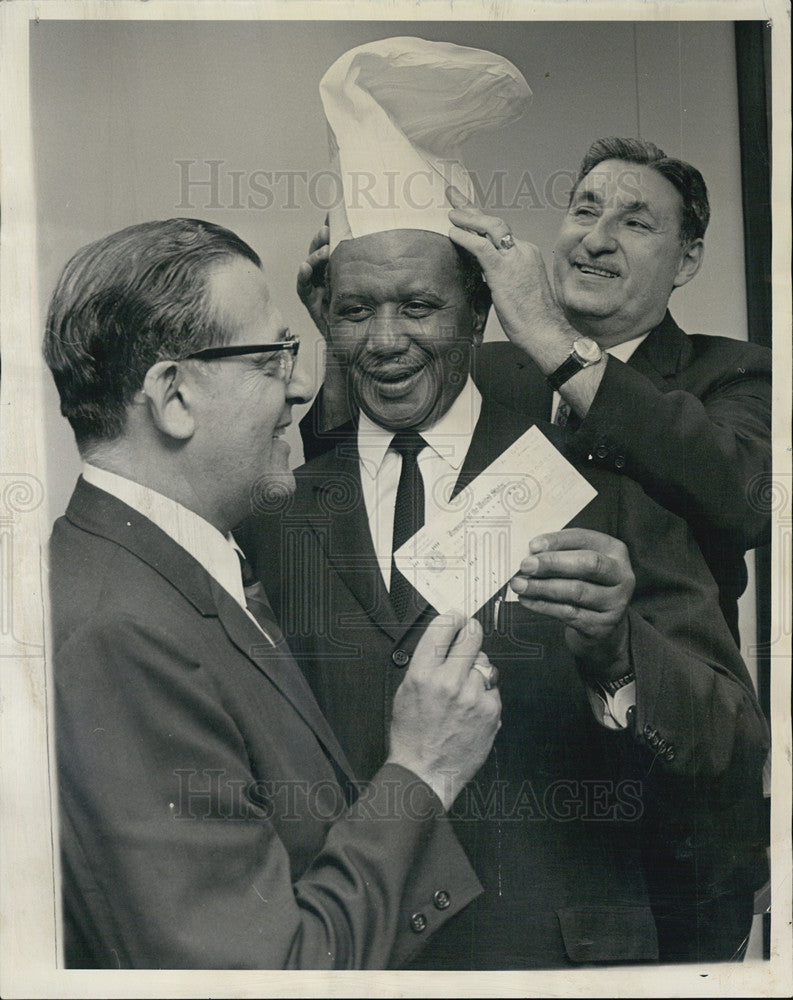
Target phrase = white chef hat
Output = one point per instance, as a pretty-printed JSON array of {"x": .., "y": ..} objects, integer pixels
[{"x": 398, "y": 110}]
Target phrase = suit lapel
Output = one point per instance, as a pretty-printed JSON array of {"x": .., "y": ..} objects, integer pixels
[
  {"x": 331, "y": 495},
  {"x": 496, "y": 429},
  {"x": 663, "y": 353},
  {"x": 272, "y": 656},
  {"x": 100, "y": 513}
]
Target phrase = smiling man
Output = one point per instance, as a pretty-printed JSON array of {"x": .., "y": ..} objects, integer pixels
[
  {"x": 423, "y": 313},
  {"x": 615, "y": 819},
  {"x": 622, "y": 249},
  {"x": 209, "y": 817},
  {"x": 687, "y": 416}
]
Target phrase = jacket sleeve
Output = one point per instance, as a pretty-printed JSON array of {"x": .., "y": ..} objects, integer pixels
[
  {"x": 697, "y": 454},
  {"x": 701, "y": 737},
  {"x": 175, "y": 853},
  {"x": 696, "y": 711}
]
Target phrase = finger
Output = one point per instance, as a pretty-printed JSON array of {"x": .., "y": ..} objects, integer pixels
[
  {"x": 304, "y": 274},
  {"x": 577, "y": 593},
  {"x": 464, "y": 649},
  {"x": 319, "y": 239},
  {"x": 584, "y": 621},
  {"x": 486, "y": 225},
  {"x": 433, "y": 647},
  {"x": 473, "y": 688},
  {"x": 576, "y": 538},
  {"x": 479, "y": 246},
  {"x": 456, "y": 198},
  {"x": 320, "y": 255},
  {"x": 486, "y": 671},
  {"x": 586, "y": 565}
]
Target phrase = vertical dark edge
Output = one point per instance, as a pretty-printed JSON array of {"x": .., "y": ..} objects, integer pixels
[
  {"x": 752, "y": 56},
  {"x": 752, "y": 52}
]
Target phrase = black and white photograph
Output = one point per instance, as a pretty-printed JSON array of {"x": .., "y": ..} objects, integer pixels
[{"x": 395, "y": 511}]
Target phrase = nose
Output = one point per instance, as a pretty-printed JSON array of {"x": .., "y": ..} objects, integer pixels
[
  {"x": 600, "y": 237},
  {"x": 300, "y": 387},
  {"x": 386, "y": 335}
]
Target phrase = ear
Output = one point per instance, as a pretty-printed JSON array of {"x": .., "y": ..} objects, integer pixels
[
  {"x": 169, "y": 400},
  {"x": 480, "y": 305},
  {"x": 690, "y": 262}
]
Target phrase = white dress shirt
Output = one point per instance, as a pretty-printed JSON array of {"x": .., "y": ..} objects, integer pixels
[
  {"x": 217, "y": 553},
  {"x": 448, "y": 442}
]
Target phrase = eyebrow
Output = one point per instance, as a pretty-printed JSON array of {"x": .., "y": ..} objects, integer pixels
[
  {"x": 632, "y": 206},
  {"x": 637, "y": 206},
  {"x": 342, "y": 298},
  {"x": 580, "y": 195},
  {"x": 410, "y": 292}
]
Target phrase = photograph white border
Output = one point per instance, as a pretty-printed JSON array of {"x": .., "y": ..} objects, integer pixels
[{"x": 28, "y": 839}]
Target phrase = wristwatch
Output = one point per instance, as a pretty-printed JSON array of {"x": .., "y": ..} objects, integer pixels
[{"x": 585, "y": 352}]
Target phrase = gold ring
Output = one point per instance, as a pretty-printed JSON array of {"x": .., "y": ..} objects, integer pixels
[{"x": 507, "y": 242}]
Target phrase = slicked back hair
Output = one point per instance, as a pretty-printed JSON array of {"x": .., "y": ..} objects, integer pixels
[
  {"x": 125, "y": 302},
  {"x": 687, "y": 180}
]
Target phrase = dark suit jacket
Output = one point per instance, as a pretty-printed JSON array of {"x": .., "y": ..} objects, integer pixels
[
  {"x": 580, "y": 834},
  {"x": 203, "y": 813},
  {"x": 688, "y": 418}
]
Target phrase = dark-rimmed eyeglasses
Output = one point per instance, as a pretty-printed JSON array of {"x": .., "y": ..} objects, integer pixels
[{"x": 287, "y": 350}]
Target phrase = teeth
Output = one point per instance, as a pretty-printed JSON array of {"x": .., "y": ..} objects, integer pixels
[{"x": 588, "y": 269}]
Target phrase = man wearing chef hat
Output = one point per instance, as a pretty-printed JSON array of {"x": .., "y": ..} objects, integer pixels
[{"x": 615, "y": 814}]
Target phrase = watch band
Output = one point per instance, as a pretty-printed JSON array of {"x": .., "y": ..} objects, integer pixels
[
  {"x": 584, "y": 352},
  {"x": 571, "y": 364},
  {"x": 612, "y": 687}
]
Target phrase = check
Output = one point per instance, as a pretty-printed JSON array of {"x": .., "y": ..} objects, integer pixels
[{"x": 468, "y": 552}]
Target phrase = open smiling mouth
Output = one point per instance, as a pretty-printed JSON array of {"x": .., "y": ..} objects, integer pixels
[
  {"x": 596, "y": 272},
  {"x": 393, "y": 375},
  {"x": 391, "y": 381}
]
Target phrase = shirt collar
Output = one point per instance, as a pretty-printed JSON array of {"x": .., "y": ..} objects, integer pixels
[
  {"x": 216, "y": 552},
  {"x": 449, "y": 437},
  {"x": 622, "y": 352}
]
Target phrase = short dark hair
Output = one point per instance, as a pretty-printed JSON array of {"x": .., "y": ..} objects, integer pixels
[
  {"x": 687, "y": 180},
  {"x": 477, "y": 291},
  {"x": 122, "y": 304}
]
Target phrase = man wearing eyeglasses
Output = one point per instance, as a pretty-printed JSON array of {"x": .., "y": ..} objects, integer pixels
[{"x": 209, "y": 817}]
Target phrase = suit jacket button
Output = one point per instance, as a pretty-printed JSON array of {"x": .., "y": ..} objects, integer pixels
[
  {"x": 418, "y": 923},
  {"x": 619, "y": 462},
  {"x": 441, "y": 899},
  {"x": 400, "y": 657},
  {"x": 601, "y": 451}
]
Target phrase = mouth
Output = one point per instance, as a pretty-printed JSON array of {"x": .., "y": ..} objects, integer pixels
[
  {"x": 392, "y": 379},
  {"x": 583, "y": 267},
  {"x": 280, "y": 429}
]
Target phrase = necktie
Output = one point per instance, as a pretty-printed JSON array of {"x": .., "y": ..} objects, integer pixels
[
  {"x": 256, "y": 601},
  {"x": 565, "y": 417},
  {"x": 408, "y": 518}
]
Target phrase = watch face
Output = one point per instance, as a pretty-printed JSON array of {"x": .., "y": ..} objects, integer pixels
[{"x": 587, "y": 350}]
